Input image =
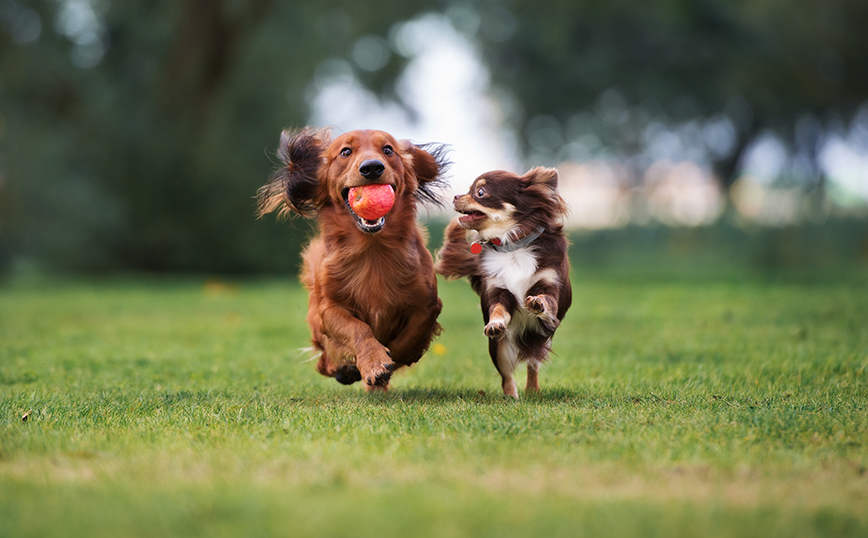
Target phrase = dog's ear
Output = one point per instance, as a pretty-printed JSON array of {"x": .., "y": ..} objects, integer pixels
[
  {"x": 542, "y": 184},
  {"x": 543, "y": 177},
  {"x": 296, "y": 185},
  {"x": 429, "y": 166}
]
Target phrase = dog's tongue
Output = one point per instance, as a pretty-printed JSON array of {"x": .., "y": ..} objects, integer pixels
[{"x": 371, "y": 201}]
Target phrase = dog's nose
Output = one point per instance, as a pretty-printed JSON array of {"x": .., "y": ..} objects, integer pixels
[
  {"x": 455, "y": 200},
  {"x": 372, "y": 169}
]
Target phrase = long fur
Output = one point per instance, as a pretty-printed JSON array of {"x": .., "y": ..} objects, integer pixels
[
  {"x": 294, "y": 186},
  {"x": 373, "y": 302},
  {"x": 432, "y": 165},
  {"x": 524, "y": 290}
]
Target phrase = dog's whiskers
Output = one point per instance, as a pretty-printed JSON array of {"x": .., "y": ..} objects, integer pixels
[{"x": 315, "y": 353}]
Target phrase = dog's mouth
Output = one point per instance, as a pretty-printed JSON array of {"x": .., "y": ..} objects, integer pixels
[
  {"x": 471, "y": 217},
  {"x": 365, "y": 225}
]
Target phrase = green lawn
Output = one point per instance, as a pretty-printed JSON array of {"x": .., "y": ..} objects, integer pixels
[{"x": 673, "y": 408}]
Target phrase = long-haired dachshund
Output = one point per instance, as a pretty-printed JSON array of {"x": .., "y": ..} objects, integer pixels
[
  {"x": 373, "y": 302},
  {"x": 509, "y": 242}
]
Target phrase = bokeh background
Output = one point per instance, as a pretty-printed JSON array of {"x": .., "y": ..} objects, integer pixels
[{"x": 703, "y": 135}]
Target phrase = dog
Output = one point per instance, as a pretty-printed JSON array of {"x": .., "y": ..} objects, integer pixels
[
  {"x": 509, "y": 243},
  {"x": 373, "y": 303}
]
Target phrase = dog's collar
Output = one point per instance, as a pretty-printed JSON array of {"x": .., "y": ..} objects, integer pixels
[{"x": 506, "y": 246}]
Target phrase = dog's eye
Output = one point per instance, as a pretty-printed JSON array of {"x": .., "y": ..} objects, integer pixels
[
  {"x": 480, "y": 192},
  {"x": 346, "y": 152},
  {"x": 387, "y": 151}
]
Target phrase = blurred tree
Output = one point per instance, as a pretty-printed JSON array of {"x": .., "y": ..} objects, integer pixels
[
  {"x": 134, "y": 134},
  {"x": 781, "y": 65}
]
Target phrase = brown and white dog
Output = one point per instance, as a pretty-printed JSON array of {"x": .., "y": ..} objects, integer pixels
[
  {"x": 509, "y": 242},
  {"x": 373, "y": 302}
]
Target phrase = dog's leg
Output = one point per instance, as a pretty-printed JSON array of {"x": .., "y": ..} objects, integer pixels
[
  {"x": 497, "y": 322},
  {"x": 505, "y": 356},
  {"x": 500, "y": 305},
  {"x": 497, "y": 304},
  {"x": 324, "y": 366},
  {"x": 372, "y": 358},
  {"x": 345, "y": 374},
  {"x": 532, "y": 376},
  {"x": 541, "y": 301},
  {"x": 334, "y": 355},
  {"x": 409, "y": 346}
]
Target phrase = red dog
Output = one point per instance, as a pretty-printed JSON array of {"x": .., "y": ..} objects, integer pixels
[
  {"x": 373, "y": 302},
  {"x": 517, "y": 263}
]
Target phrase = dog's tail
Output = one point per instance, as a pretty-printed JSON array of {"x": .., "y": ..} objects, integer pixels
[{"x": 455, "y": 260}]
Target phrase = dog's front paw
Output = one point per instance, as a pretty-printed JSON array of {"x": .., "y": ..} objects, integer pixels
[
  {"x": 376, "y": 370},
  {"x": 347, "y": 374},
  {"x": 380, "y": 375},
  {"x": 495, "y": 329},
  {"x": 535, "y": 304},
  {"x": 544, "y": 308}
]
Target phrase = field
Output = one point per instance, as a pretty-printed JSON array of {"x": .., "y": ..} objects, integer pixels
[{"x": 674, "y": 407}]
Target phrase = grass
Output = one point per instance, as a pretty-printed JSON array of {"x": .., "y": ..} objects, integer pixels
[{"x": 672, "y": 408}]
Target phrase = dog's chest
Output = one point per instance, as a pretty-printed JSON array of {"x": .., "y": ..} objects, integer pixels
[{"x": 515, "y": 271}]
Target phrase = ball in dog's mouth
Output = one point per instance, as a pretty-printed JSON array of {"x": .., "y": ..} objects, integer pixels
[{"x": 369, "y": 204}]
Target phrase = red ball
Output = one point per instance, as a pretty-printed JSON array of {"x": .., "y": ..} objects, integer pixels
[{"x": 371, "y": 201}]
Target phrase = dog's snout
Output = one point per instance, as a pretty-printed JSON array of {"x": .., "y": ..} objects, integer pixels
[
  {"x": 372, "y": 169},
  {"x": 456, "y": 199}
]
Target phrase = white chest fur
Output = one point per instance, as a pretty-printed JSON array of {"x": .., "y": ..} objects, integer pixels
[{"x": 515, "y": 271}]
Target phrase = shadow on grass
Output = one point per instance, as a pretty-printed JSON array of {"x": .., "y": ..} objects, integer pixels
[
  {"x": 612, "y": 397},
  {"x": 437, "y": 395},
  {"x": 318, "y": 395}
]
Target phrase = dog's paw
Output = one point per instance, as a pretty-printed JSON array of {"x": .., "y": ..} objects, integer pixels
[
  {"x": 347, "y": 374},
  {"x": 379, "y": 376},
  {"x": 495, "y": 329},
  {"x": 535, "y": 304},
  {"x": 376, "y": 366},
  {"x": 544, "y": 308}
]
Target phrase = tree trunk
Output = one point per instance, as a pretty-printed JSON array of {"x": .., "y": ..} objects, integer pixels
[{"x": 205, "y": 41}]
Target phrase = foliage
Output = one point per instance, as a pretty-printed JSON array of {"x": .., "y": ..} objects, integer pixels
[
  {"x": 136, "y": 139},
  {"x": 152, "y": 158},
  {"x": 677, "y": 408},
  {"x": 728, "y": 250},
  {"x": 770, "y": 65}
]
